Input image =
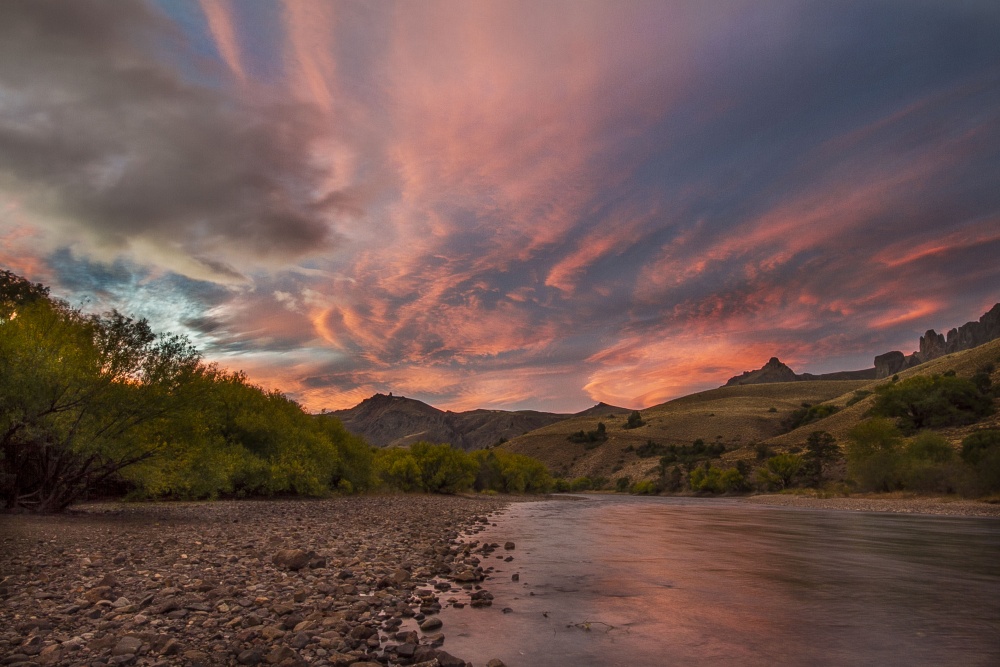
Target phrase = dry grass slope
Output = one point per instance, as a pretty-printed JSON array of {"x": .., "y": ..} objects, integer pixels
[{"x": 737, "y": 416}]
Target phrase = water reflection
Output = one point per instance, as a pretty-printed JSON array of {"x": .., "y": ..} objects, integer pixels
[{"x": 667, "y": 581}]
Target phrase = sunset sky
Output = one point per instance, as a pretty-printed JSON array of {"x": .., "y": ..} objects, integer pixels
[{"x": 508, "y": 204}]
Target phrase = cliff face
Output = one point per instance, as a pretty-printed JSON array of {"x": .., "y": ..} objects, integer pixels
[
  {"x": 386, "y": 421},
  {"x": 934, "y": 345}
]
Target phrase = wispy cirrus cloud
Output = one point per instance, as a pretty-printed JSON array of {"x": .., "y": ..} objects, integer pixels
[{"x": 508, "y": 204}]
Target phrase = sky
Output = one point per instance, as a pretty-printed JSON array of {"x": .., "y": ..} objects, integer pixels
[{"x": 508, "y": 204}]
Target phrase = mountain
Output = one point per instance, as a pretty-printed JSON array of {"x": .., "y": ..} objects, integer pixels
[
  {"x": 386, "y": 421},
  {"x": 932, "y": 346},
  {"x": 775, "y": 371}
]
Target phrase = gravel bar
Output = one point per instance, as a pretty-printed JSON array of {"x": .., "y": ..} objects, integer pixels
[
  {"x": 915, "y": 505},
  {"x": 344, "y": 581}
]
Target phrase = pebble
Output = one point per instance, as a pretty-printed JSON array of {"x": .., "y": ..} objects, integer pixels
[{"x": 281, "y": 582}]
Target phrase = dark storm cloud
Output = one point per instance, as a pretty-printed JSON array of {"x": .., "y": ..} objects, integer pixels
[{"x": 98, "y": 131}]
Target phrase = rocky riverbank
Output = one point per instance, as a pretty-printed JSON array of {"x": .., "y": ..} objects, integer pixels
[
  {"x": 884, "y": 503},
  {"x": 346, "y": 581}
]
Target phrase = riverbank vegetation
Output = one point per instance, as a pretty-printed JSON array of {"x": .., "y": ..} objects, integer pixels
[{"x": 101, "y": 404}]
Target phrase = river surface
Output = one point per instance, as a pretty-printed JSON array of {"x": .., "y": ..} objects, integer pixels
[{"x": 630, "y": 581}]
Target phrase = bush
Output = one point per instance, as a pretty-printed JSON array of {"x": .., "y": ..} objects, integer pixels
[
  {"x": 691, "y": 454},
  {"x": 935, "y": 401},
  {"x": 709, "y": 479},
  {"x": 444, "y": 469},
  {"x": 507, "y": 472},
  {"x": 873, "y": 455},
  {"x": 634, "y": 420},
  {"x": 622, "y": 484},
  {"x": 808, "y": 414},
  {"x": 590, "y": 438},
  {"x": 981, "y": 452},
  {"x": 779, "y": 471},
  {"x": 858, "y": 396},
  {"x": 649, "y": 450},
  {"x": 821, "y": 449},
  {"x": 646, "y": 487}
]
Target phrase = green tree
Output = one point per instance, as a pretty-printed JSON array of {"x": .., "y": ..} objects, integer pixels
[
  {"x": 444, "y": 469},
  {"x": 634, "y": 420},
  {"x": 981, "y": 452},
  {"x": 873, "y": 454},
  {"x": 780, "y": 471},
  {"x": 398, "y": 469},
  {"x": 82, "y": 397},
  {"x": 935, "y": 401},
  {"x": 821, "y": 449}
]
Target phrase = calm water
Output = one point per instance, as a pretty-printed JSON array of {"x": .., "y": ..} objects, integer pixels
[{"x": 668, "y": 581}]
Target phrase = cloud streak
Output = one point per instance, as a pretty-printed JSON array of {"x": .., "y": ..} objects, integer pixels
[{"x": 509, "y": 204}]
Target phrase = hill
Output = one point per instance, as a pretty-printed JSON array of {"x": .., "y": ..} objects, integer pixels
[
  {"x": 735, "y": 416},
  {"x": 738, "y": 417},
  {"x": 386, "y": 421}
]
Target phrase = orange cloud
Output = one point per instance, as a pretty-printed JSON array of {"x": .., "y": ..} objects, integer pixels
[{"x": 220, "y": 24}]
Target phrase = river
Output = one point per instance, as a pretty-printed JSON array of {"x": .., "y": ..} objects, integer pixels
[{"x": 632, "y": 581}]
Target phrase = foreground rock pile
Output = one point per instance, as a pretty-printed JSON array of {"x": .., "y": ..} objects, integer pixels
[{"x": 350, "y": 581}]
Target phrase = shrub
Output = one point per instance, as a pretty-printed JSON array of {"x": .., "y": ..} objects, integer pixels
[
  {"x": 634, "y": 420},
  {"x": 649, "y": 449},
  {"x": 646, "y": 487},
  {"x": 935, "y": 401},
  {"x": 622, "y": 484},
  {"x": 444, "y": 469},
  {"x": 592, "y": 438},
  {"x": 709, "y": 479},
  {"x": 873, "y": 455},
  {"x": 858, "y": 396},
  {"x": 808, "y": 414},
  {"x": 981, "y": 452},
  {"x": 821, "y": 449},
  {"x": 779, "y": 471}
]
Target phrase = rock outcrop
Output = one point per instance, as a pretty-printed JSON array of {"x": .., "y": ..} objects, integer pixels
[
  {"x": 934, "y": 345},
  {"x": 772, "y": 371}
]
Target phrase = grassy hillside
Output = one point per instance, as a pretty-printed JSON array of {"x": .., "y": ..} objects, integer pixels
[
  {"x": 964, "y": 364},
  {"x": 738, "y": 417}
]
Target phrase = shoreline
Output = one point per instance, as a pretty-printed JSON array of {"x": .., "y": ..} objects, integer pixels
[
  {"x": 272, "y": 582},
  {"x": 931, "y": 505}
]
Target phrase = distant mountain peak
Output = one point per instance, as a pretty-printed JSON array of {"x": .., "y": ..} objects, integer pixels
[{"x": 772, "y": 371}]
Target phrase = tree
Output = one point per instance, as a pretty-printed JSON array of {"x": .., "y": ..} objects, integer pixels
[
  {"x": 873, "y": 454},
  {"x": 444, "y": 469},
  {"x": 780, "y": 471},
  {"x": 821, "y": 448},
  {"x": 634, "y": 420},
  {"x": 935, "y": 401},
  {"x": 82, "y": 397}
]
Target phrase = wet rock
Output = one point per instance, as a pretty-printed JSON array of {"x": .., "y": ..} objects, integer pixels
[
  {"x": 431, "y": 624},
  {"x": 508, "y": 545}
]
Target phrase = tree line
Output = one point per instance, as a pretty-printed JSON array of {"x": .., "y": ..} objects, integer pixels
[{"x": 100, "y": 403}]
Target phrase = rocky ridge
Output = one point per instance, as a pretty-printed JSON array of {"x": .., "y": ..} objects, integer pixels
[
  {"x": 932, "y": 346},
  {"x": 349, "y": 581}
]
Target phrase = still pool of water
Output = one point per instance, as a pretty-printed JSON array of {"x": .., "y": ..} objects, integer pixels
[{"x": 667, "y": 581}]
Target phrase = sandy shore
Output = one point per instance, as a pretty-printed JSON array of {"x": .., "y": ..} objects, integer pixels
[
  {"x": 884, "y": 503},
  {"x": 346, "y": 581}
]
